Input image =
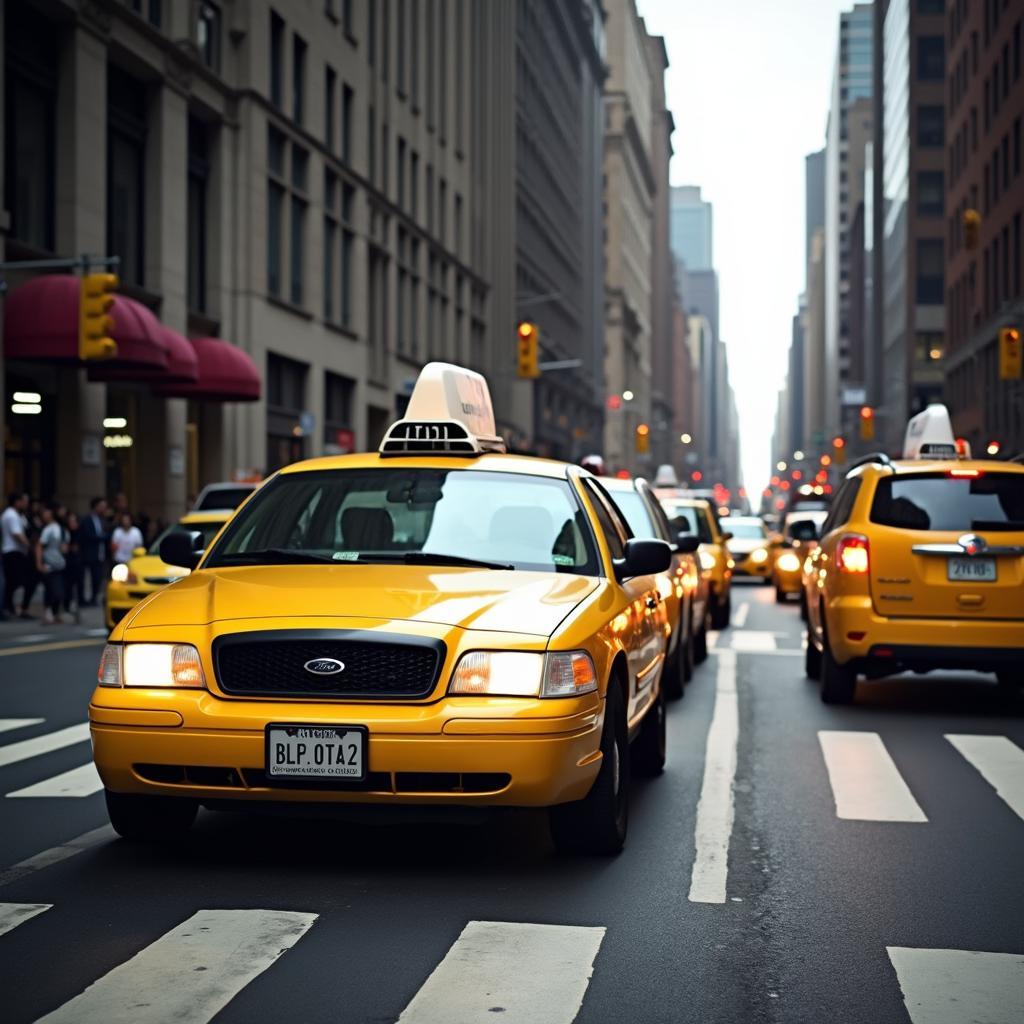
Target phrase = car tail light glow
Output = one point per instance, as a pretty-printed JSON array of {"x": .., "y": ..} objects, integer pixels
[
  {"x": 852, "y": 554},
  {"x": 971, "y": 474}
]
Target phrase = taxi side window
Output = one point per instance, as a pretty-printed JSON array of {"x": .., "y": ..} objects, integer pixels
[
  {"x": 657, "y": 514},
  {"x": 842, "y": 508},
  {"x": 606, "y": 520}
]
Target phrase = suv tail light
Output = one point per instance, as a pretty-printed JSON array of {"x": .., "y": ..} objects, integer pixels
[{"x": 853, "y": 554}]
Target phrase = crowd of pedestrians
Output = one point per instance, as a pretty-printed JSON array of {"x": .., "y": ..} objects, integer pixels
[{"x": 67, "y": 556}]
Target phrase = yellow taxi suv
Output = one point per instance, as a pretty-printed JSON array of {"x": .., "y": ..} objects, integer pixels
[
  {"x": 682, "y": 588},
  {"x": 798, "y": 539},
  {"x": 145, "y": 572},
  {"x": 435, "y": 623},
  {"x": 920, "y": 567},
  {"x": 698, "y": 516}
]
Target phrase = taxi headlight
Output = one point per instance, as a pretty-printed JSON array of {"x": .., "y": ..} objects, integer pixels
[
  {"x": 788, "y": 562},
  {"x": 707, "y": 560},
  {"x": 172, "y": 665},
  {"x": 759, "y": 555},
  {"x": 523, "y": 674},
  {"x": 122, "y": 574}
]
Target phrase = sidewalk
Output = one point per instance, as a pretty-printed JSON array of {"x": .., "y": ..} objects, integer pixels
[{"x": 27, "y": 631}]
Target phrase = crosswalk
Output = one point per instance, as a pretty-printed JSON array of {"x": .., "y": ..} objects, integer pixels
[{"x": 80, "y": 781}]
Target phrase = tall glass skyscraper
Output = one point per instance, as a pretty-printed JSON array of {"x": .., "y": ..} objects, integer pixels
[{"x": 691, "y": 228}]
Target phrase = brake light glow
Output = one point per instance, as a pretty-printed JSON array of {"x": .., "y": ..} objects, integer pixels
[
  {"x": 969, "y": 473},
  {"x": 852, "y": 554}
]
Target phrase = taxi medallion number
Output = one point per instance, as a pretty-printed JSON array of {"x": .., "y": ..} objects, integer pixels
[
  {"x": 319, "y": 752},
  {"x": 971, "y": 570}
]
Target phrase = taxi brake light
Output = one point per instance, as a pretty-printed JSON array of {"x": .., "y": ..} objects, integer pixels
[
  {"x": 852, "y": 554},
  {"x": 969, "y": 473}
]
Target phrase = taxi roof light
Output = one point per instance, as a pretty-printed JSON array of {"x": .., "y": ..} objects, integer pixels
[
  {"x": 449, "y": 413},
  {"x": 930, "y": 435}
]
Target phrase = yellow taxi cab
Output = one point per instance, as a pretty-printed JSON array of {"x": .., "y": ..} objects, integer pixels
[
  {"x": 698, "y": 516},
  {"x": 798, "y": 539},
  {"x": 434, "y": 623},
  {"x": 750, "y": 547},
  {"x": 683, "y": 588},
  {"x": 145, "y": 572},
  {"x": 920, "y": 566}
]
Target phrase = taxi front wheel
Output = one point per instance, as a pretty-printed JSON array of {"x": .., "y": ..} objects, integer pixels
[
  {"x": 597, "y": 823},
  {"x": 150, "y": 818}
]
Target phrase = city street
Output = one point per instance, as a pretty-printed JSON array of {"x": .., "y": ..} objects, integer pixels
[{"x": 867, "y": 845}]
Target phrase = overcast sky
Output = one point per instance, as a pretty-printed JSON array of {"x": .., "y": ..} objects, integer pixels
[{"x": 749, "y": 86}]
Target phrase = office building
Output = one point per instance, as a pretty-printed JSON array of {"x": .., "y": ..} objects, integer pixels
[{"x": 691, "y": 228}]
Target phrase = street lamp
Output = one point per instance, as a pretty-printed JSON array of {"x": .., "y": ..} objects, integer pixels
[
  {"x": 798, "y": 456},
  {"x": 685, "y": 438},
  {"x": 627, "y": 395},
  {"x": 781, "y": 466}
]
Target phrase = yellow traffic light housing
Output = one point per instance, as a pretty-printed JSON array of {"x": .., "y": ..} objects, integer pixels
[
  {"x": 839, "y": 450},
  {"x": 867, "y": 423},
  {"x": 643, "y": 439},
  {"x": 527, "y": 352},
  {"x": 1011, "y": 354},
  {"x": 95, "y": 323}
]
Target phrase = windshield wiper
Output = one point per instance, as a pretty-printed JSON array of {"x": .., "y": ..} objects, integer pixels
[
  {"x": 276, "y": 556},
  {"x": 430, "y": 558},
  {"x": 1009, "y": 525}
]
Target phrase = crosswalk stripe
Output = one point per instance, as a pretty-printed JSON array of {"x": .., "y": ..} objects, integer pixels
[
  {"x": 81, "y": 781},
  {"x": 950, "y": 986},
  {"x": 866, "y": 784},
  {"x": 13, "y": 914},
  {"x": 1000, "y": 762},
  {"x": 25, "y": 749},
  {"x": 527, "y": 973},
  {"x": 754, "y": 641},
  {"x": 56, "y": 854},
  {"x": 190, "y": 973},
  {"x": 8, "y": 724}
]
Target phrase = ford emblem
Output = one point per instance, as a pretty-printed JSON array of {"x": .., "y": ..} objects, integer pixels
[{"x": 324, "y": 666}]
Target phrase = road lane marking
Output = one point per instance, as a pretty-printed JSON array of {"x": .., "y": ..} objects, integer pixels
[
  {"x": 55, "y": 854},
  {"x": 866, "y": 784},
  {"x": 7, "y": 724},
  {"x": 25, "y": 749},
  {"x": 515, "y": 973},
  {"x": 13, "y": 914},
  {"x": 190, "y": 973},
  {"x": 716, "y": 810},
  {"x": 1000, "y": 762},
  {"x": 950, "y": 986},
  {"x": 60, "y": 645},
  {"x": 81, "y": 781},
  {"x": 713, "y": 635},
  {"x": 739, "y": 617},
  {"x": 754, "y": 641}
]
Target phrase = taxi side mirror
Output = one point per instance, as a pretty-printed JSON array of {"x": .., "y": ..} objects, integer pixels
[
  {"x": 182, "y": 549},
  {"x": 643, "y": 558},
  {"x": 726, "y": 535},
  {"x": 687, "y": 544}
]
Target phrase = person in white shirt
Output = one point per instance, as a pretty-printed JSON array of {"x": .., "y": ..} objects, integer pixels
[
  {"x": 125, "y": 539},
  {"x": 51, "y": 548},
  {"x": 14, "y": 545}
]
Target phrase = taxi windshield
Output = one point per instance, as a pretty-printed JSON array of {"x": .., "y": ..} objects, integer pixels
[
  {"x": 416, "y": 516},
  {"x": 939, "y": 501},
  {"x": 208, "y": 530}
]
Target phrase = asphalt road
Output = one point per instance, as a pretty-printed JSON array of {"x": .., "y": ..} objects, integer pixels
[{"x": 874, "y": 872}]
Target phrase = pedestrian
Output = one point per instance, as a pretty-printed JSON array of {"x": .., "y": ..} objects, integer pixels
[
  {"x": 15, "y": 549},
  {"x": 51, "y": 548},
  {"x": 125, "y": 539},
  {"x": 92, "y": 541},
  {"x": 73, "y": 568}
]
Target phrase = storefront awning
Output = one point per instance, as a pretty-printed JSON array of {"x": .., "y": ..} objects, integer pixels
[
  {"x": 41, "y": 323},
  {"x": 182, "y": 364},
  {"x": 226, "y": 374}
]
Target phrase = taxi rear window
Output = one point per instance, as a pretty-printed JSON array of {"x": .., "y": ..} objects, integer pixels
[
  {"x": 636, "y": 514},
  {"x": 504, "y": 520},
  {"x": 689, "y": 519},
  {"x": 940, "y": 501}
]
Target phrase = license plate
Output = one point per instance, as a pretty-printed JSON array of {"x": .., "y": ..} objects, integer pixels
[
  {"x": 972, "y": 570},
  {"x": 316, "y": 752}
]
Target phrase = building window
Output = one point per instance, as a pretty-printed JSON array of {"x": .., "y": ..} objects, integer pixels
[
  {"x": 31, "y": 138},
  {"x": 371, "y": 34},
  {"x": 338, "y": 241},
  {"x": 155, "y": 13},
  {"x": 371, "y": 144},
  {"x": 385, "y": 38},
  {"x": 298, "y": 79},
  {"x": 928, "y": 347},
  {"x": 330, "y": 92},
  {"x": 400, "y": 172},
  {"x": 930, "y": 127},
  {"x": 414, "y": 182},
  {"x": 930, "y": 272},
  {"x": 126, "y": 173},
  {"x": 346, "y": 124},
  {"x": 198, "y": 183},
  {"x": 414, "y": 53},
  {"x": 276, "y": 59},
  {"x": 931, "y": 6},
  {"x": 287, "y": 199},
  {"x": 208, "y": 34},
  {"x": 402, "y": 27},
  {"x": 339, "y": 400},
  {"x": 348, "y": 18},
  {"x": 930, "y": 193},
  {"x": 931, "y": 58},
  {"x": 286, "y": 401}
]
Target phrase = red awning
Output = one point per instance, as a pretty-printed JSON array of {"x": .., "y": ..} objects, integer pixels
[
  {"x": 41, "y": 322},
  {"x": 182, "y": 364},
  {"x": 226, "y": 374}
]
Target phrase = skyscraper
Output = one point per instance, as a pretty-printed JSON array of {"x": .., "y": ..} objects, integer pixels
[{"x": 691, "y": 228}]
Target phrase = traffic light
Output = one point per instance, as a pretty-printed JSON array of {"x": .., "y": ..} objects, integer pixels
[
  {"x": 94, "y": 320},
  {"x": 867, "y": 423},
  {"x": 993, "y": 448},
  {"x": 526, "y": 336},
  {"x": 839, "y": 450},
  {"x": 972, "y": 229},
  {"x": 643, "y": 439},
  {"x": 1010, "y": 354}
]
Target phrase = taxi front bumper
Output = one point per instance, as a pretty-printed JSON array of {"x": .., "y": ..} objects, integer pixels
[
  {"x": 857, "y": 633},
  {"x": 746, "y": 566},
  {"x": 789, "y": 582},
  {"x": 525, "y": 753}
]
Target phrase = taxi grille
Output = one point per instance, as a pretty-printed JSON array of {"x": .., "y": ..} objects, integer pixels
[{"x": 273, "y": 664}]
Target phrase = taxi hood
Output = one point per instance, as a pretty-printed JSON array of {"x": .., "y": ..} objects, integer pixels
[{"x": 515, "y": 602}]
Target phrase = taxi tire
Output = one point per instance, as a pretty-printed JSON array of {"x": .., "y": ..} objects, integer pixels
[
  {"x": 679, "y": 668},
  {"x": 838, "y": 682},
  {"x": 700, "y": 643},
  {"x": 721, "y": 612},
  {"x": 597, "y": 824},
  {"x": 651, "y": 743},
  {"x": 812, "y": 662},
  {"x": 150, "y": 819},
  {"x": 781, "y": 597}
]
